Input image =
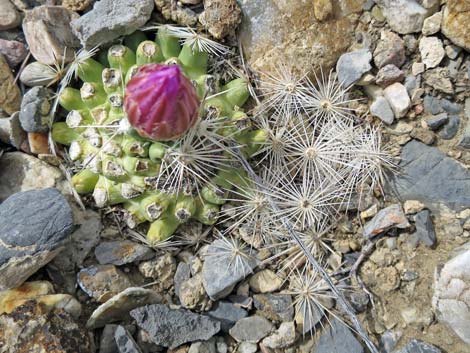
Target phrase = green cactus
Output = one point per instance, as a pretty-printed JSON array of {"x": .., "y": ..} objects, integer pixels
[{"x": 121, "y": 167}]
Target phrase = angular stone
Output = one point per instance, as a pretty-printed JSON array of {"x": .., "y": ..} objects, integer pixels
[
  {"x": 47, "y": 31},
  {"x": 77, "y": 5},
  {"x": 280, "y": 31},
  {"x": 33, "y": 227},
  {"x": 438, "y": 79},
  {"x": 125, "y": 342},
  {"x": 417, "y": 346},
  {"x": 118, "y": 307},
  {"x": 425, "y": 229},
  {"x": 12, "y": 133},
  {"x": 429, "y": 176},
  {"x": 432, "y": 24},
  {"x": 351, "y": 66},
  {"x": 122, "y": 252},
  {"x": 203, "y": 347},
  {"x": 455, "y": 22},
  {"x": 265, "y": 281},
  {"x": 276, "y": 307},
  {"x": 389, "y": 74},
  {"x": 171, "y": 328},
  {"x": 14, "y": 51},
  {"x": 432, "y": 51},
  {"x": 102, "y": 281},
  {"x": 423, "y": 135},
  {"x": 451, "y": 292},
  {"x": 436, "y": 121},
  {"x": 389, "y": 217},
  {"x": 31, "y": 328},
  {"x": 192, "y": 294},
  {"x": 282, "y": 338},
  {"x": 251, "y": 329},
  {"x": 337, "y": 337},
  {"x": 35, "y": 107},
  {"x": 162, "y": 268},
  {"x": 22, "y": 172},
  {"x": 111, "y": 19},
  {"x": 219, "y": 274},
  {"x": 220, "y": 17},
  {"x": 398, "y": 98},
  {"x": 9, "y": 16},
  {"x": 390, "y": 50},
  {"x": 10, "y": 95},
  {"x": 381, "y": 109},
  {"x": 227, "y": 313},
  {"x": 451, "y": 128},
  {"x": 403, "y": 16}
]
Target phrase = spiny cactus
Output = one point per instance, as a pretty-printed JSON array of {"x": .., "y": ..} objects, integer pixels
[{"x": 152, "y": 131}]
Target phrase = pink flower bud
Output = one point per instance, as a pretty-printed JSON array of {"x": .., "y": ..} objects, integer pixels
[{"x": 160, "y": 102}]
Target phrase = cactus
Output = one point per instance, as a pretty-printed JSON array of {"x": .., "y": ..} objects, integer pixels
[{"x": 152, "y": 130}]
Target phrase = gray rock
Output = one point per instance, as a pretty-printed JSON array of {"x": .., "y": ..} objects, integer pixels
[
  {"x": 125, "y": 342},
  {"x": 432, "y": 105},
  {"x": 107, "y": 341},
  {"x": 118, "y": 307},
  {"x": 251, "y": 329},
  {"x": 203, "y": 347},
  {"x": 47, "y": 31},
  {"x": 428, "y": 175},
  {"x": 111, "y": 19},
  {"x": 450, "y": 107},
  {"x": 451, "y": 128},
  {"x": 465, "y": 139},
  {"x": 451, "y": 288},
  {"x": 436, "y": 121},
  {"x": 390, "y": 50},
  {"x": 338, "y": 338},
  {"x": 171, "y": 328},
  {"x": 227, "y": 313},
  {"x": 390, "y": 217},
  {"x": 398, "y": 98},
  {"x": 122, "y": 252},
  {"x": 417, "y": 346},
  {"x": 35, "y": 107},
  {"x": 389, "y": 74},
  {"x": 403, "y": 16},
  {"x": 381, "y": 109},
  {"x": 351, "y": 66},
  {"x": 22, "y": 172},
  {"x": 33, "y": 227},
  {"x": 9, "y": 16},
  {"x": 425, "y": 229},
  {"x": 432, "y": 51},
  {"x": 359, "y": 300},
  {"x": 389, "y": 340},
  {"x": 411, "y": 83},
  {"x": 282, "y": 338},
  {"x": 276, "y": 307},
  {"x": 101, "y": 282},
  {"x": 12, "y": 133},
  {"x": 219, "y": 274},
  {"x": 182, "y": 274},
  {"x": 63, "y": 268}
]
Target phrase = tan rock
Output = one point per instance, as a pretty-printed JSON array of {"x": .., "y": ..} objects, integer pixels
[
  {"x": 10, "y": 95},
  {"x": 322, "y": 9},
  {"x": 274, "y": 31},
  {"x": 220, "y": 17},
  {"x": 77, "y": 5},
  {"x": 26, "y": 291},
  {"x": 9, "y": 16},
  {"x": 265, "y": 281},
  {"x": 48, "y": 33},
  {"x": 38, "y": 142},
  {"x": 455, "y": 22}
]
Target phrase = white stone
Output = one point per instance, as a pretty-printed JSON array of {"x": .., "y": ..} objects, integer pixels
[
  {"x": 451, "y": 297},
  {"x": 412, "y": 206},
  {"x": 432, "y": 51},
  {"x": 403, "y": 16},
  {"x": 417, "y": 68},
  {"x": 398, "y": 98},
  {"x": 432, "y": 24}
]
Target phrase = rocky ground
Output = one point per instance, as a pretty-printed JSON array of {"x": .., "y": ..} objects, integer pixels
[{"x": 77, "y": 281}]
